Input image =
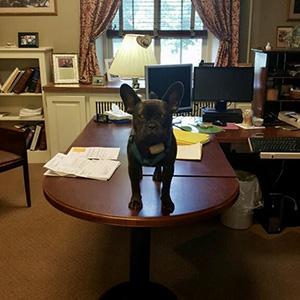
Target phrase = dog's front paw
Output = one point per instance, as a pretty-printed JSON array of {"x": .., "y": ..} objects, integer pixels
[
  {"x": 135, "y": 203},
  {"x": 167, "y": 205}
]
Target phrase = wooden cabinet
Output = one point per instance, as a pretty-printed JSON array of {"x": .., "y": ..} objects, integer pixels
[
  {"x": 275, "y": 74},
  {"x": 71, "y": 107},
  {"x": 67, "y": 117},
  {"x": 10, "y": 58}
]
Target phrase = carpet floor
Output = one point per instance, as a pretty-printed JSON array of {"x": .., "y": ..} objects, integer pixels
[{"x": 48, "y": 255}]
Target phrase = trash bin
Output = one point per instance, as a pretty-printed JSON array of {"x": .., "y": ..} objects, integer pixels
[{"x": 240, "y": 214}]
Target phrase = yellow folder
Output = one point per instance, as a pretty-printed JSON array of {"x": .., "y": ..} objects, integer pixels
[{"x": 189, "y": 138}]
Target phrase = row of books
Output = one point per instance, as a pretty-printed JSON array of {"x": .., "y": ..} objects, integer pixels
[
  {"x": 35, "y": 136},
  {"x": 19, "y": 81}
]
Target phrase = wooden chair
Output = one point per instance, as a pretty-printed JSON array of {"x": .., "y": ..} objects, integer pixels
[{"x": 13, "y": 154}]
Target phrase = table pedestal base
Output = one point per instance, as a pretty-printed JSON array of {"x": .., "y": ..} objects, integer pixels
[{"x": 136, "y": 291}]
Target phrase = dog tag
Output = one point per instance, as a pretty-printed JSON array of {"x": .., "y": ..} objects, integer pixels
[{"x": 155, "y": 149}]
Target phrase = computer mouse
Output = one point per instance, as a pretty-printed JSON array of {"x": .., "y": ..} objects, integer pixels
[{"x": 219, "y": 123}]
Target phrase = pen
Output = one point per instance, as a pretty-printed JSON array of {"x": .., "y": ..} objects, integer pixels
[{"x": 180, "y": 127}]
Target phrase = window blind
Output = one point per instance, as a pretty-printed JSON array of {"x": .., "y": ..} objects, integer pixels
[{"x": 159, "y": 18}]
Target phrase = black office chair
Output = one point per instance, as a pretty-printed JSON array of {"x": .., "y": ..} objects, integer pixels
[{"x": 13, "y": 154}]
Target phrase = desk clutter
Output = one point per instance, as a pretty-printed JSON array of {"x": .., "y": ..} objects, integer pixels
[
  {"x": 88, "y": 162},
  {"x": 189, "y": 144}
]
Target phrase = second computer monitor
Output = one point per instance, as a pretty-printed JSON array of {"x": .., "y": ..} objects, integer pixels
[
  {"x": 158, "y": 78},
  {"x": 223, "y": 85}
]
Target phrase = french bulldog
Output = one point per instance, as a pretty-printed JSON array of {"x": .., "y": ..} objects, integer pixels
[{"x": 152, "y": 142}]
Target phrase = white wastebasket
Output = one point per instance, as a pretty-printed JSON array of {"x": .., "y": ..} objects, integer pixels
[{"x": 240, "y": 214}]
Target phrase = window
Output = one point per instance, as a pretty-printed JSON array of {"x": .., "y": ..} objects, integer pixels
[{"x": 179, "y": 36}]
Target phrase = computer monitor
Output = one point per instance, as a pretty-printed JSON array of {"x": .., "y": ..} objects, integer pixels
[
  {"x": 222, "y": 85},
  {"x": 158, "y": 78}
]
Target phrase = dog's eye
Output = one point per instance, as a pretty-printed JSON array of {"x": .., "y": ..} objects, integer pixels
[
  {"x": 141, "y": 116},
  {"x": 163, "y": 116}
]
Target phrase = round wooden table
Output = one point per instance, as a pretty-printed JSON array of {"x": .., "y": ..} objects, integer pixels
[{"x": 199, "y": 189}]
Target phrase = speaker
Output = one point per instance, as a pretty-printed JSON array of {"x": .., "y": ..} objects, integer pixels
[{"x": 271, "y": 218}]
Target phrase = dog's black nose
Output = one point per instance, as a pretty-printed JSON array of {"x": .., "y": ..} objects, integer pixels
[{"x": 152, "y": 127}]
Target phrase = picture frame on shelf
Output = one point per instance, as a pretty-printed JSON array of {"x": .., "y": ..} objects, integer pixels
[
  {"x": 281, "y": 33},
  {"x": 110, "y": 77},
  {"x": 28, "y": 39},
  {"x": 65, "y": 68},
  {"x": 293, "y": 10},
  {"x": 98, "y": 80},
  {"x": 30, "y": 8}
]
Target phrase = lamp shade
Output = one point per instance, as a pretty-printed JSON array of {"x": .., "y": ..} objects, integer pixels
[{"x": 133, "y": 55}]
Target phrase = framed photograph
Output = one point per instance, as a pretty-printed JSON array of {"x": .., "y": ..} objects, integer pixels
[
  {"x": 28, "y": 40},
  {"x": 282, "y": 32},
  {"x": 293, "y": 10},
  {"x": 65, "y": 68},
  {"x": 98, "y": 80},
  {"x": 110, "y": 77},
  {"x": 28, "y": 7}
]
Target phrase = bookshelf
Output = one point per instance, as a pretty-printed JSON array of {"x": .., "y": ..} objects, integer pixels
[
  {"x": 275, "y": 73},
  {"x": 10, "y": 58}
]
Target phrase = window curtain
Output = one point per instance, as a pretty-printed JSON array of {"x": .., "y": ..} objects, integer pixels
[
  {"x": 222, "y": 19},
  {"x": 95, "y": 17}
]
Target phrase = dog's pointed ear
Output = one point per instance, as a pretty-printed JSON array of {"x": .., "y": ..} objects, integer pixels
[
  {"x": 152, "y": 95},
  {"x": 129, "y": 97},
  {"x": 174, "y": 95}
]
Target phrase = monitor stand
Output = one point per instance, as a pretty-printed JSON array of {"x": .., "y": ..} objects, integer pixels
[{"x": 222, "y": 113}]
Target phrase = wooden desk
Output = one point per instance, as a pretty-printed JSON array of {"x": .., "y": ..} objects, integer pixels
[
  {"x": 274, "y": 175},
  {"x": 241, "y": 135},
  {"x": 198, "y": 190}
]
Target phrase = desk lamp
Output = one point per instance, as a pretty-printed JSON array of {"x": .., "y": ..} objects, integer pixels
[{"x": 132, "y": 57}]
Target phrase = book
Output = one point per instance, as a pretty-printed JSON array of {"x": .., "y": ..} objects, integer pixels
[
  {"x": 36, "y": 136},
  {"x": 42, "y": 142},
  {"x": 12, "y": 86},
  {"x": 10, "y": 80},
  {"x": 38, "y": 88},
  {"x": 29, "y": 135},
  {"x": 21, "y": 85},
  {"x": 33, "y": 81},
  {"x": 20, "y": 126}
]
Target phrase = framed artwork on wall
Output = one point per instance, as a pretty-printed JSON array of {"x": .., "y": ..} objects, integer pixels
[
  {"x": 281, "y": 33},
  {"x": 28, "y": 40},
  {"x": 65, "y": 68},
  {"x": 293, "y": 11},
  {"x": 28, "y": 7}
]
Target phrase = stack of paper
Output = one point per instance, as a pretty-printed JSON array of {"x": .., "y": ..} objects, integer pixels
[
  {"x": 31, "y": 112},
  {"x": 94, "y": 163},
  {"x": 189, "y": 144}
]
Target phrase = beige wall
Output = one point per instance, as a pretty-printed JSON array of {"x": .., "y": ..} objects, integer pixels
[
  {"x": 267, "y": 15},
  {"x": 62, "y": 31}
]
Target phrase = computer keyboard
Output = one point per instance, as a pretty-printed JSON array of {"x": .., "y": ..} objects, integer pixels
[{"x": 279, "y": 147}]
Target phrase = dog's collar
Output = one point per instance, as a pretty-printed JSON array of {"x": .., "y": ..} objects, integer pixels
[{"x": 145, "y": 161}]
